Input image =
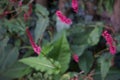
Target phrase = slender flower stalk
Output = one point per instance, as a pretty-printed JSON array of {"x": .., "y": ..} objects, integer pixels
[
  {"x": 110, "y": 42},
  {"x": 36, "y": 48},
  {"x": 63, "y": 18},
  {"x": 75, "y": 5}
]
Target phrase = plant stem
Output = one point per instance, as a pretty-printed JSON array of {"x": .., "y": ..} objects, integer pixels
[
  {"x": 49, "y": 60},
  {"x": 100, "y": 52}
]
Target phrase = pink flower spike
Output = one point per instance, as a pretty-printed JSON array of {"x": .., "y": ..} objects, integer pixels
[
  {"x": 58, "y": 13},
  {"x": 110, "y": 42},
  {"x": 20, "y": 3},
  {"x": 105, "y": 33},
  {"x": 112, "y": 50},
  {"x": 75, "y": 5},
  {"x": 36, "y": 48},
  {"x": 63, "y": 18},
  {"x": 68, "y": 21},
  {"x": 76, "y": 58}
]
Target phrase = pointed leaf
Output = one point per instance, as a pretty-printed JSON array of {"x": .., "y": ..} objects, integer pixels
[
  {"x": 61, "y": 51},
  {"x": 105, "y": 62},
  {"x": 41, "y": 10},
  {"x": 40, "y": 64},
  {"x": 3, "y": 43},
  {"x": 10, "y": 57},
  {"x": 86, "y": 61},
  {"x": 94, "y": 36},
  {"x": 41, "y": 26},
  {"x": 42, "y": 21},
  {"x": 113, "y": 74},
  {"x": 78, "y": 49},
  {"x": 46, "y": 49},
  {"x": 18, "y": 70}
]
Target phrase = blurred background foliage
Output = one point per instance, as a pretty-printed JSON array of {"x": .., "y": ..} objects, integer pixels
[{"x": 19, "y": 62}]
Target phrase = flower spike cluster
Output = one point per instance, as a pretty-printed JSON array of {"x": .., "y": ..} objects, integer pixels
[
  {"x": 36, "y": 48},
  {"x": 20, "y": 3},
  {"x": 110, "y": 42},
  {"x": 63, "y": 18},
  {"x": 75, "y": 5},
  {"x": 75, "y": 58}
]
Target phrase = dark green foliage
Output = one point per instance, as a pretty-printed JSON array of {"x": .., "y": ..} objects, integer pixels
[{"x": 55, "y": 62}]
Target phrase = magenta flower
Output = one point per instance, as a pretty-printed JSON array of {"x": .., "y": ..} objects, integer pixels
[
  {"x": 112, "y": 49},
  {"x": 110, "y": 42},
  {"x": 75, "y": 5},
  {"x": 36, "y": 48},
  {"x": 75, "y": 58},
  {"x": 20, "y": 3},
  {"x": 68, "y": 21},
  {"x": 63, "y": 18}
]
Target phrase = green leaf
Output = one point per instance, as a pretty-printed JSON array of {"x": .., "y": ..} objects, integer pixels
[
  {"x": 109, "y": 4},
  {"x": 83, "y": 36},
  {"x": 41, "y": 10},
  {"x": 61, "y": 51},
  {"x": 18, "y": 70},
  {"x": 42, "y": 21},
  {"x": 78, "y": 49},
  {"x": 68, "y": 76},
  {"x": 105, "y": 63},
  {"x": 2, "y": 32},
  {"x": 3, "y": 44},
  {"x": 113, "y": 74},
  {"x": 41, "y": 26},
  {"x": 9, "y": 58},
  {"x": 86, "y": 61},
  {"x": 41, "y": 64},
  {"x": 118, "y": 47},
  {"x": 117, "y": 38},
  {"x": 94, "y": 36},
  {"x": 79, "y": 35},
  {"x": 65, "y": 77},
  {"x": 4, "y": 78},
  {"x": 46, "y": 49},
  {"x": 15, "y": 25}
]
